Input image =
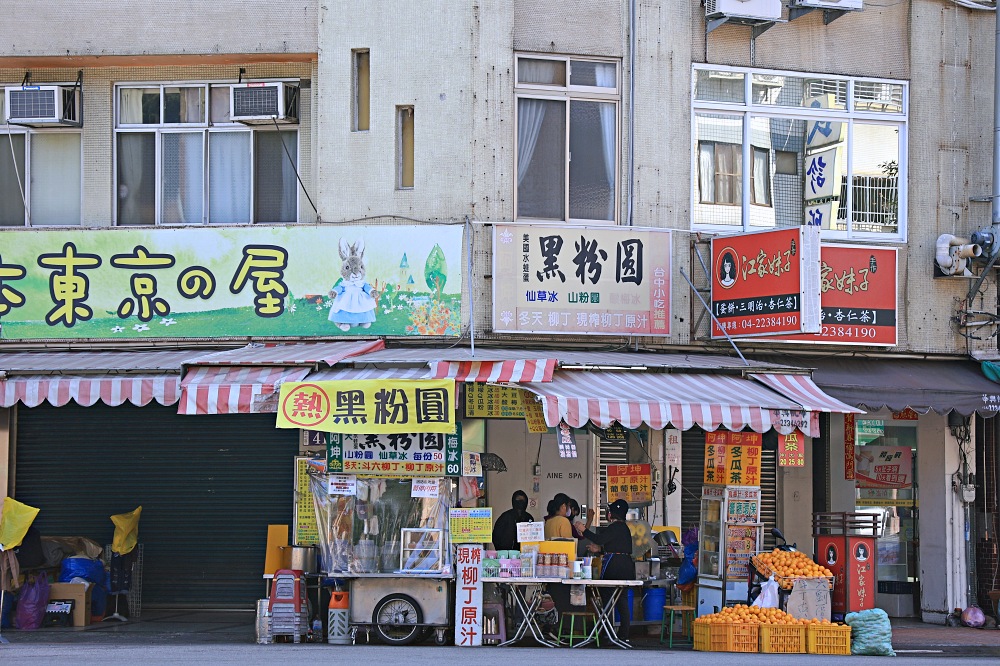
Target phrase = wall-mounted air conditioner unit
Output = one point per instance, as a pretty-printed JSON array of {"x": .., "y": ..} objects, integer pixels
[
  {"x": 764, "y": 10},
  {"x": 260, "y": 103},
  {"x": 43, "y": 106},
  {"x": 844, "y": 5}
]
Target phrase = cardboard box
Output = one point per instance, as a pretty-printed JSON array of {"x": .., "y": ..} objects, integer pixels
[{"x": 80, "y": 594}]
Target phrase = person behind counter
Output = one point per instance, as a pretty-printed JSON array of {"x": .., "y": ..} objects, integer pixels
[
  {"x": 505, "y": 529},
  {"x": 616, "y": 563},
  {"x": 557, "y": 525},
  {"x": 576, "y": 519}
]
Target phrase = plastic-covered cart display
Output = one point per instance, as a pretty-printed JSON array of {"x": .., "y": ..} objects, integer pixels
[{"x": 395, "y": 551}]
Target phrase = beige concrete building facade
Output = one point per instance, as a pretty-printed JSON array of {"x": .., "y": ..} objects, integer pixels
[{"x": 466, "y": 76}]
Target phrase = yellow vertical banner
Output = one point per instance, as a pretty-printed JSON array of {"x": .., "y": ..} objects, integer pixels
[
  {"x": 715, "y": 451},
  {"x": 742, "y": 467},
  {"x": 369, "y": 406}
]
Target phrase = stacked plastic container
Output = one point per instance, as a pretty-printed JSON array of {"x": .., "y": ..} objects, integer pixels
[{"x": 287, "y": 605}]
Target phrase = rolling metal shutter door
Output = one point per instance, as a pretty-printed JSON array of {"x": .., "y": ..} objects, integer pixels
[
  {"x": 208, "y": 486},
  {"x": 693, "y": 472}
]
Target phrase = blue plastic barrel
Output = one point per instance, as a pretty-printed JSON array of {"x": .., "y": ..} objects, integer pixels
[{"x": 653, "y": 603}]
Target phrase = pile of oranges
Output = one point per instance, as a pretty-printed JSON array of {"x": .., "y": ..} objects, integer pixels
[
  {"x": 788, "y": 565},
  {"x": 741, "y": 614}
]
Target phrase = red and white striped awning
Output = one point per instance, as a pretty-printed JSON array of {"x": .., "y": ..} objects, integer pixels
[
  {"x": 663, "y": 399},
  {"x": 293, "y": 353},
  {"x": 140, "y": 390},
  {"x": 235, "y": 389},
  {"x": 803, "y": 390},
  {"x": 519, "y": 371},
  {"x": 349, "y": 374}
]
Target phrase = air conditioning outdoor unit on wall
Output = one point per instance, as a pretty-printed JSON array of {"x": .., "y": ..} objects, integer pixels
[
  {"x": 43, "y": 106},
  {"x": 828, "y": 4},
  {"x": 263, "y": 103},
  {"x": 765, "y": 10}
]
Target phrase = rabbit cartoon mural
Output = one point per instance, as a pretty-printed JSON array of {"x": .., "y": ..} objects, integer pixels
[{"x": 354, "y": 299}]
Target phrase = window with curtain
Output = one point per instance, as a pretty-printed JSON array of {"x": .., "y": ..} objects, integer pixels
[
  {"x": 40, "y": 177},
  {"x": 822, "y": 150},
  {"x": 180, "y": 160},
  {"x": 567, "y": 139}
]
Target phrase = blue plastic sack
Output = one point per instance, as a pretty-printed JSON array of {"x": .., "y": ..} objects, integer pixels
[
  {"x": 76, "y": 568},
  {"x": 688, "y": 572},
  {"x": 82, "y": 567}
]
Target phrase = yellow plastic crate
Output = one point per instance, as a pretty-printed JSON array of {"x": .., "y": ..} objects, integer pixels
[
  {"x": 740, "y": 637},
  {"x": 828, "y": 639},
  {"x": 783, "y": 638},
  {"x": 702, "y": 637}
]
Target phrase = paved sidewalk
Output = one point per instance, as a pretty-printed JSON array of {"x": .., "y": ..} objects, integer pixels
[
  {"x": 912, "y": 634},
  {"x": 198, "y": 627}
]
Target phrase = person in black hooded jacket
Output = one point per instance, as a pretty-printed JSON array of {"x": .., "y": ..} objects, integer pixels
[
  {"x": 616, "y": 563},
  {"x": 505, "y": 529}
]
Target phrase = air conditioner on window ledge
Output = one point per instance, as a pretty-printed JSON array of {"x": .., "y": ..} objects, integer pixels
[
  {"x": 43, "y": 106},
  {"x": 763, "y": 10},
  {"x": 264, "y": 103},
  {"x": 845, "y": 5}
]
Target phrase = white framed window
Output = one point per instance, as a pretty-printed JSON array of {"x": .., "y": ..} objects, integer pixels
[
  {"x": 822, "y": 149},
  {"x": 179, "y": 159},
  {"x": 567, "y": 145},
  {"x": 41, "y": 175}
]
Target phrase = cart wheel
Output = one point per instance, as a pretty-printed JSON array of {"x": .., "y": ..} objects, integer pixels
[
  {"x": 397, "y": 618},
  {"x": 440, "y": 636}
]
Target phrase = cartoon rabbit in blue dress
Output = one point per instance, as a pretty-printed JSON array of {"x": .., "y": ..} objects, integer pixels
[{"x": 354, "y": 300}]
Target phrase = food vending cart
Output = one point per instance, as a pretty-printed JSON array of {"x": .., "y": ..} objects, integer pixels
[
  {"x": 384, "y": 532},
  {"x": 729, "y": 535}
]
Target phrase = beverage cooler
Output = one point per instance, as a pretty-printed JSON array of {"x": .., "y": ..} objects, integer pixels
[{"x": 729, "y": 534}]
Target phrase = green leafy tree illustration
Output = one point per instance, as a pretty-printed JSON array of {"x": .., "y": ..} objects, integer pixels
[{"x": 436, "y": 270}]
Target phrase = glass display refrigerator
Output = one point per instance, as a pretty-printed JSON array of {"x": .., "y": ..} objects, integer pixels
[{"x": 729, "y": 534}]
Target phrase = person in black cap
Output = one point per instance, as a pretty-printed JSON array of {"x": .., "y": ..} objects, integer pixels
[
  {"x": 505, "y": 529},
  {"x": 616, "y": 563}
]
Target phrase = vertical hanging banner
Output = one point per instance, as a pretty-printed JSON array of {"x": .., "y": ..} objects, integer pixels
[
  {"x": 850, "y": 441},
  {"x": 791, "y": 449},
  {"x": 715, "y": 457},
  {"x": 742, "y": 461},
  {"x": 597, "y": 280},
  {"x": 858, "y": 297},
  {"x": 766, "y": 283},
  {"x": 468, "y": 595}
]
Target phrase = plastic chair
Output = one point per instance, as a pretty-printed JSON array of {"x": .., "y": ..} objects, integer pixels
[
  {"x": 687, "y": 624},
  {"x": 568, "y": 636}
]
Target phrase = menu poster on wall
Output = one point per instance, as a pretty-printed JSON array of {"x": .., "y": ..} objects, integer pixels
[
  {"x": 883, "y": 466},
  {"x": 343, "y": 484},
  {"x": 471, "y": 525},
  {"x": 766, "y": 283},
  {"x": 630, "y": 483},
  {"x": 742, "y": 505},
  {"x": 424, "y": 488},
  {"x": 741, "y": 545},
  {"x": 306, "y": 527}
]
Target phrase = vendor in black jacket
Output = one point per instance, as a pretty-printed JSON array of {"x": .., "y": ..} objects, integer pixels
[{"x": 616, "y": 564}]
